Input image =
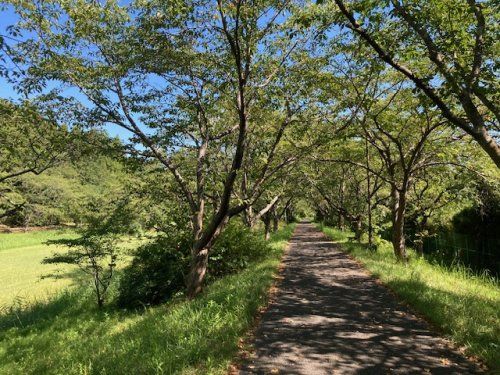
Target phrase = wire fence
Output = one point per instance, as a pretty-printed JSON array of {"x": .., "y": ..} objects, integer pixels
[{"x": 478, "y": 253}]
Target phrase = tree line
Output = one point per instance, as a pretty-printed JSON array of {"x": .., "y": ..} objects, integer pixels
[{"x": 372, "y": 112}]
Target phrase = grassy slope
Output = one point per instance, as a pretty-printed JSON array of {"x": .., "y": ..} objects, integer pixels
[
  {"x": 67, "y": 335},
  {"x": 464, "y": 306}
]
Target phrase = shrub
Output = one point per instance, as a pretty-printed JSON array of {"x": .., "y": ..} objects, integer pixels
[
  {"x": 158, "y": 268},
  {"x": 236, "y": 247},
  {"x": 156, "y": 272}
]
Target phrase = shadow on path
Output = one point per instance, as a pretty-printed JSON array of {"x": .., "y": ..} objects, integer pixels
[{"x": 330, "y": 317}]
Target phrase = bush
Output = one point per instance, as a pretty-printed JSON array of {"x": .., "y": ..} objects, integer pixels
[
  {"x": 156, "y": 272},
  {"x": 158, "y": 268},
  {"x": 235, "y": 249}
]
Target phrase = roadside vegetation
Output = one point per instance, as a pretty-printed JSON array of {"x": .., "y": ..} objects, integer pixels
[
  {"x": 69, "y": 334},
  {"x": 176, "y": 137},
  {"x": 464, "y": 305}
]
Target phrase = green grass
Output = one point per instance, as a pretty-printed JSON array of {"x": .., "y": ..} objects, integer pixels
[
  {"x": 21, "y": 281},
  {"x": 68, "y": 335},
  {"x": 466, "y": 307},
  {"x": 24, "y": 280},
  {"x": 9, "y": 241}
]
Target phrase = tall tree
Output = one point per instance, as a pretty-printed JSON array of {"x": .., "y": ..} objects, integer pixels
[
  {"x": 182, "y": 78},
  {"x": 446, "y": 48},
  {"x": 31, "y": 142},
  {"x": 404, "y": 152}
]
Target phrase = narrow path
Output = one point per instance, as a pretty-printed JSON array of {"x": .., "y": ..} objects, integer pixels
[{"x": 330, "y": 317}]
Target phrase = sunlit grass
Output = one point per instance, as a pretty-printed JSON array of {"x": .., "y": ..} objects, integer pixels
[
  {"x": 25, "y": 280},
  {"x": 21, "y": 271},
  {"x": 9, "y": 241},
  {"x": 463, "y": 305},
  {"x": 68, "y": 335}
]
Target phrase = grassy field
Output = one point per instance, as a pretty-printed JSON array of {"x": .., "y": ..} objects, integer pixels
[
  {"x": 24, "y": 280},
  {"x": 466, "y": 307},
  {"x": 69, "y": 335},
  {"x": 9, "y": 241}
]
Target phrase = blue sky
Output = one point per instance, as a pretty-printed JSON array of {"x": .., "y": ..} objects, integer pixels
[{"x": 9, "y": 17}]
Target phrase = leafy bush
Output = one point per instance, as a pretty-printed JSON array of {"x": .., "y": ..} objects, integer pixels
[
  {"x": 235, "y": 249},
  {"x": 156, "y": 272},
  {"x": 158, "y": 268}
]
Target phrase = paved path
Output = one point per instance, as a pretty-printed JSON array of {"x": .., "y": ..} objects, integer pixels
[{"x": 330, "y": 317}]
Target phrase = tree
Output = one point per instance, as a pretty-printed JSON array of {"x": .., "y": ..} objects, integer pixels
[
  {"x": 39, "y": 159},
  {"x": 95, "y": 255},
  {"x": 430, "y": 194},
  {"x": 452, "y": 66},
  {"x": 182, "y": 79},
  {"x": 406, "y": 136},
  {"x": 341, "y": 189},
  {"x": 403, "y": 152},
  {"x": 30, "y": 143},
  {"x": 95, "y": 252}
]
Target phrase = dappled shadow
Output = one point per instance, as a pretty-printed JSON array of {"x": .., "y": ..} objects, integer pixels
[
  {"x": 42, "y": 316},
  {"x": 331, "y": 317},
  {"x": 75, "y": 275}
]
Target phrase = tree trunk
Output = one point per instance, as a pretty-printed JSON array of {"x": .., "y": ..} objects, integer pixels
[
  {"x": 199, "y": 257},
  {"x": 420, "y": 247},
  {"x": 478, "y": 130},
  {"x": 358, "y": 229},
  {"x": 197, "y": 271},
  {"x": 268, "y": 232},
  {"x": 488, "y": 144},
  {"x": 275, "y": 223},
  {"x": 267, "y": 226},
  {"x": 340, "y": 221},
  {"x": 289, "y": 215},
  {"x": 99, "y": 297},
  {"x": 248, "y": 217},
  {"x": 398, "y": 223},
  {"x": 370, "y": 228},
  {"x": 368, "y": 196}
]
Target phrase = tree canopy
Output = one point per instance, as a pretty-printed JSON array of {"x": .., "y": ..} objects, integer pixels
[{"x": 373, "y": 114}]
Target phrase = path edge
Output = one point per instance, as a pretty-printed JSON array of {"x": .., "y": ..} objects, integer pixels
[
  {"x": 452, "y": 345},
  {"x": 246, "y": 342}
]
